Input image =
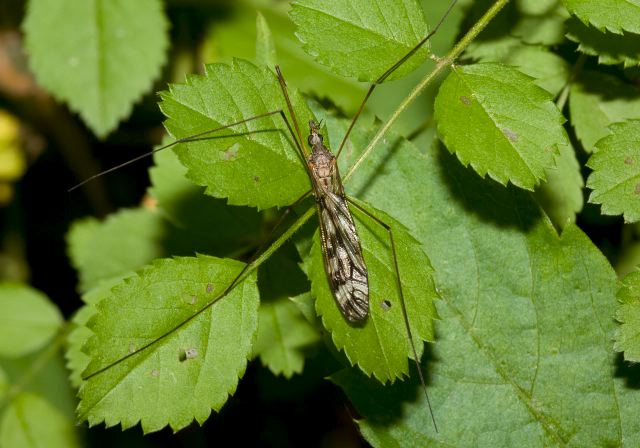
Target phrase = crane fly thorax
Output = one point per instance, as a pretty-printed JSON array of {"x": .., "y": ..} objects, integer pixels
[{"x": 322, "y": 164}]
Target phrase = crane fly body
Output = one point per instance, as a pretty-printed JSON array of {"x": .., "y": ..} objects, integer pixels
[{"x": 341, "y": 250}]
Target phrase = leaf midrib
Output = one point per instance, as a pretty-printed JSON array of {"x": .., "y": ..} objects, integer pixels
[{"x": 539, "y": 417}]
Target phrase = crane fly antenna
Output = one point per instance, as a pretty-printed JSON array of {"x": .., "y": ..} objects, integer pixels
[
  {"x": 299, "y": 141},
  {"x": 191, "y": 138},
  {"x": 389, "y": 71},
  {"x": 283, "y": 86}
]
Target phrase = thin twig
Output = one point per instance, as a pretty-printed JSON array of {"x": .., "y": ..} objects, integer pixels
[{"x": 440, "y": 66}]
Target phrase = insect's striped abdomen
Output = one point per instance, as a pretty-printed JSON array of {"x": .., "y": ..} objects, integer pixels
[{"x": 341, "y": 248}]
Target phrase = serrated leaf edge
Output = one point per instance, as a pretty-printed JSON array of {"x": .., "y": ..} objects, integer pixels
[{"x": 232, "y": 388}]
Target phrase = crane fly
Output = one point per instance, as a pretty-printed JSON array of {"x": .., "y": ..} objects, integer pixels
[
  {"x": 341, "y": 250},
  {"x": 343, "y": 258},
  {"x": 344, "y": 263}
]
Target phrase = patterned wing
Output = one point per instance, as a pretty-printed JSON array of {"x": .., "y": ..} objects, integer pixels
[{"x": 343, "y": 259}]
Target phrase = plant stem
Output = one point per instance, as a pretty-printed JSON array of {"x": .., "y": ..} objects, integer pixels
[
  {"x": 440, "y": 66},
  {"x": 244, "y": 273},
  {"x": 293, "y": 228},
  {"x": 37, "y": 365}
]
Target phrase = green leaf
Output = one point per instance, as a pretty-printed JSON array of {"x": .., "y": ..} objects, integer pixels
[
  {"x": 561, "y": 195},
  {"x": 615, "y": 179},
  {"x": 614, "y": 15},
  {"x": 513, "y": 291},
  {"x": 598, "y": 100},
  {"x": 549, "y": 70},
  {"x": 4, "y": 384},
  {"x": 610, "y": 48},
  {"x": 77, "y": 360},
  {"x": 99, "y": 57},
  {"x": 492, "y": 46},
  {"x": 494, "y": 118},
  {"x": 176, "y": 355},
  {"x": 476, "y": 234},
  {"x": 236, "y": 39},
  {"x": 283, "y": 333},
  {"x": 265, "y": 46},
  {"x": 383, "y": 103},
  {"x": 209, "y": 221},
  {"x": 95, "y": 247},
  {"x": 31, "y": 421},
  {"x": 531, "y": 22},
  {"x": 540, "y": 22},
  {"x": 381, "y": 347},
  {"x": 627, "y": 337},
  {"x": 361, "y": 39},
  {"x": 28, "y": 320},
  {"x": 254, "y": 163},
  {"x": 306, "y": 305},
  {"x": 42, "y": 373}
]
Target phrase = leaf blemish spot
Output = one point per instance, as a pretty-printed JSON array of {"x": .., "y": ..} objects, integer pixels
[
  {"x": 187, "y": 354},
  {"x": 465, "y": 100},
  {"x": 155, "y": 372},
  {"x": 637, "y": 190},
  {"x": 132, "y": 348},
  {"x": 209, "y": 288},
  {"x": 256, "y": 179},
  {"x": 386, "y": 304},
  {"x": 231, "y": 153},
  {"x": 629, "y": 161},
  {"x": 512, "y": 136}
]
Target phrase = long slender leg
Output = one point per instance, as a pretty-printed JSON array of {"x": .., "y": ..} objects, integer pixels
[
  {"x": 387, "y": 73},
  {"x": 259, "y": 257},
  {"x": 402, "y": 304},
  {"x": 196, "y": 137},
  {"x": 261, "y": 253},
  {"x": 262, "y": 246}
]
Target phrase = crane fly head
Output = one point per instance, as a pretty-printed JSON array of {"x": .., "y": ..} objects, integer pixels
[{"x": 315, "y": 138}]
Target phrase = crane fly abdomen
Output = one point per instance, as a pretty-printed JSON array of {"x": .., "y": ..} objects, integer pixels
[{"x": 342, "y": 253}]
